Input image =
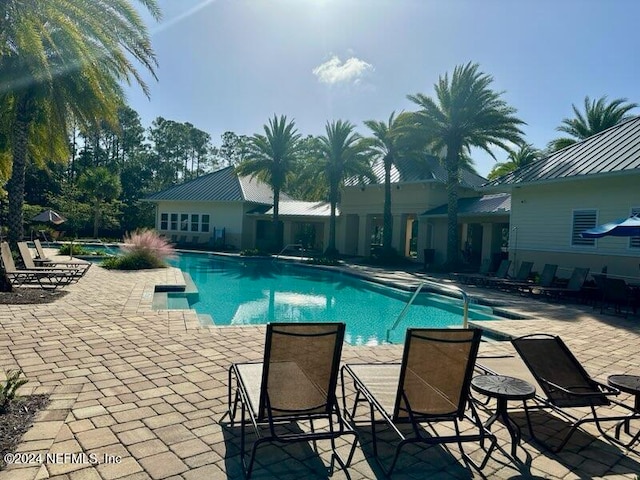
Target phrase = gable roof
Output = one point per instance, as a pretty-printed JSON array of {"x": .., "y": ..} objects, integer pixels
[
  {"x": 428, "y": 169},
  {"x": 497, "y": 204},
  {"x": 613, "y": 151},
  {"x": 223, "y": 185}
]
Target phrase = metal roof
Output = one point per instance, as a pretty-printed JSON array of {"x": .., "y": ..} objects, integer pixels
[
  {"x": 297, "y": 208},
  {"x": 612, "y": 151},
  {"x": 220, "y": 186},
  {"x": 410, "y": 171},
  {"x": 497, "y": 204}
]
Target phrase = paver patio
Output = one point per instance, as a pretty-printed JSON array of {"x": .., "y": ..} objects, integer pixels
[{"x": 140, "y": 394}]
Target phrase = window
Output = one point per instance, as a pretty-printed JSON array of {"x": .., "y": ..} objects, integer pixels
[
  {"x": 174, "y": 221},
  {"x": 184, "y": 222},
  {"x": 164, "y": 221},
  {"x": 204, "y": 226},
  {"x": 583, "y": 220},
  {"x": 634, "y": 242},
  {"x": 195, "y": 220}
]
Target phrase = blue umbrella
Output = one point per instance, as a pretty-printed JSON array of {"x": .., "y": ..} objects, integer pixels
[{"x": 625, "y": 227}]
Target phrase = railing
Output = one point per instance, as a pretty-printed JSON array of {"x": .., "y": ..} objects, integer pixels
[
  {"x": 301, "y": 246},
  {"x": 451, "y": 288}
]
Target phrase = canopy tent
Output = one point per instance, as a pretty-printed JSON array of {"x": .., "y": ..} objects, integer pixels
[{"x": 624, "y": 227}]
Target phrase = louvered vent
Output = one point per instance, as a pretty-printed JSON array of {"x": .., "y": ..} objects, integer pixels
[{"x": 583, "y": 220}]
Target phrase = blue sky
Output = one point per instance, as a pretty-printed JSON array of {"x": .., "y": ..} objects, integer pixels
[{"x": 232, "y": 64}]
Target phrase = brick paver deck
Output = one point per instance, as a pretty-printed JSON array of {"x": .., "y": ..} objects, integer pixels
[{"x": 140, "y": 394}]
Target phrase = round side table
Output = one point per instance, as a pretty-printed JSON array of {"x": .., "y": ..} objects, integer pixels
[
  {"x": 628, "y": 384},
  {"x": 504, "y": 388}
]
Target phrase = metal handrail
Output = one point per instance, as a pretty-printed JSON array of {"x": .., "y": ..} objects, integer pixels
[
  {"x": 452, "y": 288},
  {"x": 290, "y": 245}
]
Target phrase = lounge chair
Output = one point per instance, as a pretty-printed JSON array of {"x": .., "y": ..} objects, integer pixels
[
  {"x": 295, "y": 382},
  {"x": 546, "y": 280},
  {"x": 484, "y": 279},
  {"x": 430, "y": 385},
  {"x": 573, "y": 287},
  {"x": 78, "y": 268},
  {"x": 566, "y": 384},
  {"x": 521, "y": 277},
  {"x": 485, "y": 268},
  {"x": 49, "y": 279}
]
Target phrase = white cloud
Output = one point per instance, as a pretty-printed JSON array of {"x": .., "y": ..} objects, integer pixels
[{"x": 335, "y": 71}]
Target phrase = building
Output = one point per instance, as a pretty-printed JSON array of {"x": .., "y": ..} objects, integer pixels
[
  {"x": 586, "y": 184},
  {"x": 225, "y": 210}
]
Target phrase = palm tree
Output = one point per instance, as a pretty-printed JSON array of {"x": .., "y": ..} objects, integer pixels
[
  {"x": 64, "y": 59},
  {"x": 101, "y": 185},
  {"x": 343, "y": 154},
  {"x": 391, "y": 142},
  {"x": 598, "y": 116},
  {"x": 272, "y": 158},
  {"x": 525, "y": 155},
  {"x": 465, "y": 113}
]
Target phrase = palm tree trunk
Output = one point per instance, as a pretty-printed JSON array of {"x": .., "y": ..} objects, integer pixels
[
  {"x": 333, "y": 201},
  {"x": 387, "y": 231},
  {"x": 452, "y": 206},
  {"x": 15, "y": 186}
]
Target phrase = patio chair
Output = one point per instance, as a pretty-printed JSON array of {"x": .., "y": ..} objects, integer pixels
[
  {"x": 566, "y": 384},
  {"x": 484, "y": 279},
  {"x": 547, "y": 279},
  {"x": 295, "y": 382},
  {"x": 615, "y": 293},
  {"x": 573, "y": 287},
  {"x": 462, "y": 277},
  {"x": 521, "y": 277},
  {"x": 431, "y": 385},
  {"x": 77, "y": 269},
  {"x": 48, "y": 279}
]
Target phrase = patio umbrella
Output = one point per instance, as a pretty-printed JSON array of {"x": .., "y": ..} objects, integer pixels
[
  {"x": 624, "y": 227},
  {"x": 49, "y": 216}
]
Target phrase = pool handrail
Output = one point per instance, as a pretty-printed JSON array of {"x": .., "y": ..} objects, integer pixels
[
  {"x": 453, "y": 288},
  {"x": 287, "y": 246}
]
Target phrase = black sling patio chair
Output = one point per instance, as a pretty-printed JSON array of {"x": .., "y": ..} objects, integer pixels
[
  {"x": 295, "y": 382},
  {"x": 430, "y": 385},
  {"x": 566, "y": 384}
]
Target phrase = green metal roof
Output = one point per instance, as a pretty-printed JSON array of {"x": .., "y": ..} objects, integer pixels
[{"x": 220, "y": 186}]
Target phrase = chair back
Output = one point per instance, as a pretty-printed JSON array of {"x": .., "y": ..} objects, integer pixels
[
  {"x": 436, "y": 371},
  {"x": 577, "y": 279},
  {"x": 300, "y": 372},
  {"x": 39, "y": 249},
  {"x": 616, "y": 290},
  {"x": 7, "y": 258},
  {"x": 503, "y": 269},
  {"x": 548, "y": 274},
  {"x": 524, "y": 271},
  {"x": 550, "y": 360},
  {"x": 25, "y": 253}
]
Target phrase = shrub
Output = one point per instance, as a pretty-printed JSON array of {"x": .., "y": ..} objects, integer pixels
[
  {"x": 66, "y": 249},
  {"x": 9, "y": 388},
  {"x": 143, "y": 249}
]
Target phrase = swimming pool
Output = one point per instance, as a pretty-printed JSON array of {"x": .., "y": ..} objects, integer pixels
[{"x": 246, "y": 292}]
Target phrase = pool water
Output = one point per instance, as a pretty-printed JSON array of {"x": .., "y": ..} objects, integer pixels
[{"x": 246, "y": 292}]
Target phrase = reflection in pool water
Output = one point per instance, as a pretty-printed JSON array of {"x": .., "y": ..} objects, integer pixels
[{"x": 243, "y": 292}]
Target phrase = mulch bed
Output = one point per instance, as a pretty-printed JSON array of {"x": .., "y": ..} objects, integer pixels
[
  {"x": 23, "y": 296},
  {"x": 17, "y": 420}
]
